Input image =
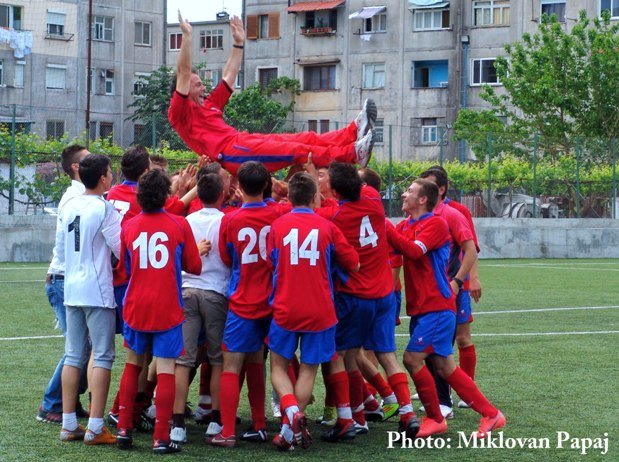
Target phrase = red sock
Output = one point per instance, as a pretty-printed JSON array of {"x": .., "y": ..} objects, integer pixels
[
  {"x": 381, "y": 386},
  {"x": 285, "y": 402},
  {"x": 426, "y": 388},
  {"x": 355, "y": 384},
  {"x": 399, "y": 385},
  {"x": 229, "y": 392},
  {"x": 255, "y": 393},
  {"x": 468, "y": 360},
  {"x": 126, "y": 395},
  {"x": 369, "y": 400},
  {"x": 468, "y": 391},
  {"x": 341, "y": 392},
  {"x": 369, "y": 388},
  {"x": 164, "y": 402},
  {"x": 205, "y": 379},
  {"x": 116, "y": 403},
  {"x": 329, "y": 393}
]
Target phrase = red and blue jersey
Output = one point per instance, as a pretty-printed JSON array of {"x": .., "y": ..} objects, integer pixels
[
  {"x": 395, "y": 259},
  {"x": 460, "y": 231},
  {"x": 304, "y": 249},
  {"x": 243, "y": 247},
  {"x": 155, "y": 247},
  {"x": 463, "y": 209},
  {"x": 425, "y": 244},
  {"x": 363, "y": 224}
]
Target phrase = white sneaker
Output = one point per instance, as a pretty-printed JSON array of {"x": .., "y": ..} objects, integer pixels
[
  {"x": 366, "y": 119},
  {"x": 415, "y": 397},
  {"x": 178, "y": 435},
  {"x": 213, "y": 429},
  {"x": 361, "y": 429},
  {"x": 363, "y": 149},
  {"x": 463, "y": 405},
  {"x": 446, "y": 411}
]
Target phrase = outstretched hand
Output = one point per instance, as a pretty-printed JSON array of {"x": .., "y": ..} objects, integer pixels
[
  {"x": 184, "y": 24},
  {"x": 238, "y": 32}
]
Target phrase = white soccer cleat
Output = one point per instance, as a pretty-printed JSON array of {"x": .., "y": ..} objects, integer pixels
[
  {"x": 363, "y": 149},
  {"x": 366, "y": 119}
]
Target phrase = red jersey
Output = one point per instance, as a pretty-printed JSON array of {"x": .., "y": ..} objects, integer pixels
[
  {"x": 243, "y": 247},
  {"x": 155, "y": 247},
  {"x": 460, "y": 231},
  {"x": 395, "y": 259},
  {"x": 363, "y": 224},
  {"x": 464, "y": 210},
  {"x": 425, "y": 244},
  {"x": 195, "y": 205},
  {"x": 303, "y": 250}
]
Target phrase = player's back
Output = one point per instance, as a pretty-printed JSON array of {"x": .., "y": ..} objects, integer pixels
[
  {"x": 124, "y": 198},
  {"x": 460, "y": 231}
]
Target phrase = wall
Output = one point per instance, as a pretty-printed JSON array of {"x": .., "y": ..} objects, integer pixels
[{"x": 27, "y": 238}]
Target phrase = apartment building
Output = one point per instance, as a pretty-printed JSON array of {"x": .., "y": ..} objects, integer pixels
[
  {"x": 421, "y": 60},
  {"x": 44, "y": 71}
]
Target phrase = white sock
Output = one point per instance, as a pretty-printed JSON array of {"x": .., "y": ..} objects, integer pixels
[
  {"x": 287, "y": 432},
  {"x": 69, "y": 421},
  {"x": 344, "y": 413},
  {"x": 95, "y": 424},
  {"x": 391, "y": 399},
  {"x": 405, "y": 409}
]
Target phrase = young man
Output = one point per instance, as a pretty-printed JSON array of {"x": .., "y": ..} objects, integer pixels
[
  {"x": 303, "y": 249},
  {"x": 425, "y": 241},
  {"x": 242, "y": 246},
  {"x": 50, "y": 410},
  {"x": 87, "y": 235},
  {"x": 155, "y": 247},
  {"x": 198, "y": 119},
  {"x": 206, "y": 306}
]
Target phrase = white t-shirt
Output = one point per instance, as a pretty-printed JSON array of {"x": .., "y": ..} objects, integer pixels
[
  {"x": 205, "y": 224},
  {"x": 89, "y": 233}
]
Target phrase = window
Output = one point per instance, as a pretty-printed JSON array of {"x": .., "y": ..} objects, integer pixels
[
  {"x": 324, "y": 125},
  {"x": 210, "y": 77},
  {"x": 319, "y": 78},
  {"x": 10, "y": 17},
  {"x": 264, "y": 26},
  {"x": 430, "y": 74},
  {"x": 318, "y": 126},
  {"x": 212, "y": 39},
  {"x": 429, "y": 131},
  {"x": 108, "y": 76},
  {"x": 55, "y": 77},
  {"x": 321, "y": 18},
  {"x": 142, "y": 33},
  {"x": 491, "y": 12},
  {"x": 551, "y": 7},
  {"x": 106, "y": 130},
  {"x": 175, "y": 41},
  {"x": 19, "y": 74},
  {"x": 431, "y": 19},
  {"x": 139, "y": 131},
  {"x": 103, "y": 28},
  {"x": 139, "y": 82},
  {"x": 377, "y": 23},
  {"x": 1, "y": 72},
  {"x": 379, "y": 131},
  {"x": 610, "y": 5},
  {"x": 374, "y": 75},
  {"x": 55, "y": 23},
  {"x": 484, "y": 71},
  {"x": 266, "y": 75},
  {"x": 54, "y": 129},
  {"x": 92, "y": 131}
]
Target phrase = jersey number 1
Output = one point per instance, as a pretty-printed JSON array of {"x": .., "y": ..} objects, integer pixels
[{"x": 151, "y": 251}]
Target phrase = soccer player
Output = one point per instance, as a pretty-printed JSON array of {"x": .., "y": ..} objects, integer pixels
[
  {"x": 242, "y": 246},
  {"x": 425, "y": 241},
  {"x": 155, "y": 247},
  {"x": 87, "y": 235},
  {"x": 303, "y": 249},
  {"x": 198, "y": 119},
  {"x": 206, "y": 306},
  {"x": 50, "y": 410}
]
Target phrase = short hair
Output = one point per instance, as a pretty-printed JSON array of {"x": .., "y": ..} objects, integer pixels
[
  {"x": 428, "y": 189},
  {"x": 153, "y": 190},
  {"x": 345, "y": 180},
  {"x": 210, "y": 187},
  {"x": 135, "y": 162},
  {"x": 253, "y": 177},
  {"x": 301, "y": 189},
  {"x": 92, "y": 168},
  {"x": 159, "y": 160},
  {"x": 70, "y": 155},
  {"x": 371, "y": 178}
]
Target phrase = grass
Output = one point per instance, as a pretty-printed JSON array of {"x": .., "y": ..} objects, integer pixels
[{"x": 544, "y": 384}]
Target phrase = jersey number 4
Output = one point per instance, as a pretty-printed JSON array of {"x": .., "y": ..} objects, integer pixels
[
  {"x": 367, "y": 235},
  {"x": 151, "y": 251},
  {"x": 249, "y": 254},
  {"x": 308, "y": 249}
]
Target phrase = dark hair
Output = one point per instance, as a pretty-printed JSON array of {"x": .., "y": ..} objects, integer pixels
[
  {"x": 70, "y": 155},
  {"x": 371, "y": 178},
  {"x": 153, "y": 190},
  {"x": 428, "y": 189},
  {"x": 345, "y": 180},
  {"x": 173, "y": 81},
  {"x": 441, "y": 178},
  {"x": 210, "y": 187},
  {"x": 253, "y": 177},
  {"x": 159, "y": 160},
  {"x": 135, "y": 162},
  {"x": 301, "y": 189},
  {"x": 92, "y": 168}
]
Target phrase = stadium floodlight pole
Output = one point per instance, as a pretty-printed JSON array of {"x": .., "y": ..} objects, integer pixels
[{"x": 89, "y": 72}]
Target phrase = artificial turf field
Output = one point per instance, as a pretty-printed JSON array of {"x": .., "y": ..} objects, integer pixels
[{"x": 547, "y": 340}]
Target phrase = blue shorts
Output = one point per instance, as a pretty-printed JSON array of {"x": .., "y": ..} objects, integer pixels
[
  {"x": 316, "y": 347},
  {"x": 398, "y": 306},
  {"x": 166, "y": 344},
  {"x": 244, "y": 335},
  {"x": 119, "y": 297},
  {"x": 367, "y": 323},
  {"x": 432, "y": 333},
  {"x": 465, "y": 312}
]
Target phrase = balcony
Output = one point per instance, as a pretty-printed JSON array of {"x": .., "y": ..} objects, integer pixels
[{"x": 317, "y": 31}]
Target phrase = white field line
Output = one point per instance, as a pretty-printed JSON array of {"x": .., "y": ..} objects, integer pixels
[
  {"x": 534, "y": 334},
  {"x": 13, "y": 268},
  {"x": 542, "y": 266},
  {"x": 22, "y": 282},
  {"x": 540, "y": 310},
  {"x": 36, "y": 337}
]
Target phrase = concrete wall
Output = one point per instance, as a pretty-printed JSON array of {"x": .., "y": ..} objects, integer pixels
[{"x": 31, "y": 238}]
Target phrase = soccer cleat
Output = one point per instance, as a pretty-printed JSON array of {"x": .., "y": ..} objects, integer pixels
[
  {"x": 151, "y": 412},
  {"x": 340, "y": 432},
  {"x": 105, "y": 437},
  {"x": 415, "y": 397},
  {"x": 431, "y": 427},
  {"x": 366, "y": 119},
  {"x": 363, "y": 149},
  {"x": 410, "y": 426},
  {"x": 299, "y": 428},
  {"x": 178, "y": 435},
  {"x": 375, "y": 416},
  {"x": 446, "y": 411},
  {"x": 112, "y": 420},
  {"x": 487, "y": 424},
  {"x": 144, "y": 423},
  {"x": 161, "y": 447},
  {"x": 221, "y": 441},
  {"x": 281, "y": 443},
  {"x": 255, "y": 436},
  {"x": 202, "y": 416},
  {"x": 361, "y": 429},
  {"x": 213, "y": 429},
  {"x": 124, "y": 440},
  {"x": 463, "y": 405},
  {"x": 328, "y": 417},
  {"x": 72, "y": 435},
  {"x": 49, "y": 417},
  {"x": 389, "y": 410}
]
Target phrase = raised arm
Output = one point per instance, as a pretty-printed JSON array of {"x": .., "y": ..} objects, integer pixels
[
  {"x": 233, "y": 65},
  {"x": 183, "y": 65}
]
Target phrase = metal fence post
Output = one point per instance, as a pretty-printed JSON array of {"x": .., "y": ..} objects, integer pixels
[
  {"x": 389, "y": 201},
  {"x": 489, "y": 209},
  {"x": 441, "y": 132},
  {"x": 613, "y": 148},
  {"x": 154, "y": 133},
  {"x": 535, "y": 141},
  {"x": 12, "y": 171},
  {"x": 578, "y": 149}
]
